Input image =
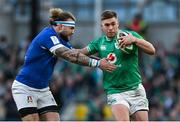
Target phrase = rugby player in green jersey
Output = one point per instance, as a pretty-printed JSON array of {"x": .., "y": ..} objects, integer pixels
[{"x": 125, "y": 93}]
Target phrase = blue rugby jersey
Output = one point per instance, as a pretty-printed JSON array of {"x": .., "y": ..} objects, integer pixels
[{"x": 39, "y": 60}]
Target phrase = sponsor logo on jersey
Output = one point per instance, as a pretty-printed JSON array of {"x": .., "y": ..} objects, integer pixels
[
  {"x": 112, "y": 58},
  {"x": 54, "y": 39}
]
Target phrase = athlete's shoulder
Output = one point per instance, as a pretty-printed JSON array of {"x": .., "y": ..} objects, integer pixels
[
  {"x": 46, "y": 34},
  {"x": 48, "y": 31}
]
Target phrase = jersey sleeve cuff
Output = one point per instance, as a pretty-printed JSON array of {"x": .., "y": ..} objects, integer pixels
[{"x": 52, "y": 49}]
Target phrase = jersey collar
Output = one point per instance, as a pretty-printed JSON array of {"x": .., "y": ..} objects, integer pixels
[{"x": 107, "y": 39}]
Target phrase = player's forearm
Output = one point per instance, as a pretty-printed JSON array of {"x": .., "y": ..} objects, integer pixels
[
  {"x": 74, "y": 56},
  {"x": 83, "y": 51},
  {"x": 145, "y": 46}
]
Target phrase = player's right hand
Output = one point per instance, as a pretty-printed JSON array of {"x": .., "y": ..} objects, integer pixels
[{"x": 106, "y": 66}]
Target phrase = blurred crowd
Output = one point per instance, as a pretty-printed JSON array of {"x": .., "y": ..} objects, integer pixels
[{"x": 78, "y": 90}]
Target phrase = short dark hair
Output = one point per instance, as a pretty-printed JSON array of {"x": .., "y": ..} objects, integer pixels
[{"x": 107, "y": 14}]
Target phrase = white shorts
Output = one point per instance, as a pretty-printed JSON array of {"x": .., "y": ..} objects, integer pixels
[
  {"x": 134, "y": 100},
  {"x": 25, "y": 96}
]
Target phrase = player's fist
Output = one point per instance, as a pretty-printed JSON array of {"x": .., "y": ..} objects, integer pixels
[{"x": 125, "y": 41}]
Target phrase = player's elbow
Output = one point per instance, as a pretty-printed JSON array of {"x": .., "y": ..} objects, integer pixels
[{"x": 152, "y": 51}]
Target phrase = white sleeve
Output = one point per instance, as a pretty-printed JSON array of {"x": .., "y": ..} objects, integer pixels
[{"x": 53, "y": 49}]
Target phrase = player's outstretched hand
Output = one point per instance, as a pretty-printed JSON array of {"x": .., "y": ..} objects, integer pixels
[{"x": 106, "y": 66}]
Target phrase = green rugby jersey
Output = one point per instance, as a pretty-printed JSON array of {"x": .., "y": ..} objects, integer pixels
[{"x": 127, "y": 76}]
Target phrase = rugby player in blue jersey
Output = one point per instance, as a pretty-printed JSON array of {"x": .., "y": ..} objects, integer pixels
[{"x": 30, "y": 88}]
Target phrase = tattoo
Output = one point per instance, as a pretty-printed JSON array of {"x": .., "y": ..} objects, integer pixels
[
  {"x": 72, "y": 55},
  {"x": 83, "y": 51}
]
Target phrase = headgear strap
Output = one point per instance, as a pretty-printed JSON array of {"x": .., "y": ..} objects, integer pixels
[{"x": 66, "y": 23}]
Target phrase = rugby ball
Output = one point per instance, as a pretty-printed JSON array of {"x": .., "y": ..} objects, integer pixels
[{"x": 128, "y": 49}]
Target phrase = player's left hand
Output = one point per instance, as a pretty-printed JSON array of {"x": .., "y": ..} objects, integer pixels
[{"x": 126, "y": 40}]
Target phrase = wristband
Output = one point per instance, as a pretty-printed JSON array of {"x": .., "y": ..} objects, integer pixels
[{"x": 94, "y": 62}]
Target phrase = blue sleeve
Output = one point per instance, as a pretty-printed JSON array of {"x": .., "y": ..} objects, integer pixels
[{"x": 50, "y": 42}]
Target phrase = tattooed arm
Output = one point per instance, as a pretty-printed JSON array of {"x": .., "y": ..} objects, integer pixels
[
  {"x": 74, "y": 56},
  {"x": 85, "y": 52}
]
